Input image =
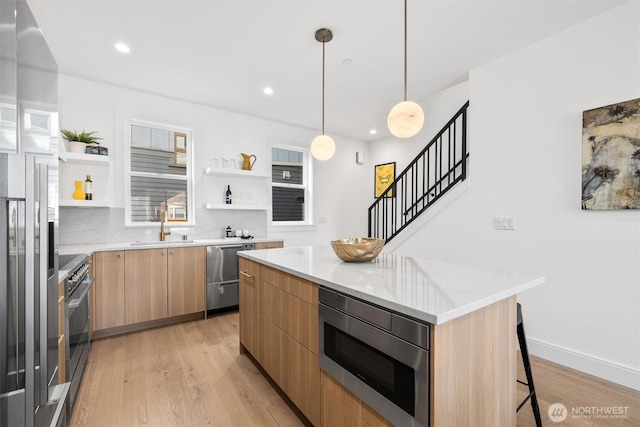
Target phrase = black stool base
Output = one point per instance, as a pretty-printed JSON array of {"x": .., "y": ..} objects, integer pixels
[{"x": 527, "y": 370}]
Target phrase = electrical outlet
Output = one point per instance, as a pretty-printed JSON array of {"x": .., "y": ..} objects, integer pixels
[{"x": 504, "y": 222}]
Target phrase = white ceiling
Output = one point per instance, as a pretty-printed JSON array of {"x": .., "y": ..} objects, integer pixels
[{"x": 223, "y": 53}]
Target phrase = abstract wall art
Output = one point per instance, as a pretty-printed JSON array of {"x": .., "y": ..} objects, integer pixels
[{"x": 611, "y": 157}]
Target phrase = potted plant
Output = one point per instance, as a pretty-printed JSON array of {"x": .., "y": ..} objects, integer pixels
[{"x": 79, "y": 141}]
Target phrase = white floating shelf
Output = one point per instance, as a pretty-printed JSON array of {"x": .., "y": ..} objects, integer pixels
[
  {"x": 89, "y": 159},
  {"x": 83, "y": 203},
  {"x": 240, "y": 173},
  {"x": 237, "y": 207}
]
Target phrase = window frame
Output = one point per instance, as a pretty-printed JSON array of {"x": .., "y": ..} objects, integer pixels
[
  {"x": 307, "y": 185},
  {"x": 188, "y": 176}
]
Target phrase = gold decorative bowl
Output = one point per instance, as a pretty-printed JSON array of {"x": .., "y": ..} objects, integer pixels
[{"x": 357, "y": 249}]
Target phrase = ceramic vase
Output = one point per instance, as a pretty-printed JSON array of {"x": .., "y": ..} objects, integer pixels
[
  {"x": 78, "y": 194},
  {"x": 77, "y": 146}
]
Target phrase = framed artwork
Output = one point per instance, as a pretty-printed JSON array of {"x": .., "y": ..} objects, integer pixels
[
  {"x": 611, "y": 157},
  {"x": 385, "y": 174}
]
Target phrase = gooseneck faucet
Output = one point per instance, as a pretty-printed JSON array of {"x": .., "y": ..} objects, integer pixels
[{"x": 163, "y": 218}]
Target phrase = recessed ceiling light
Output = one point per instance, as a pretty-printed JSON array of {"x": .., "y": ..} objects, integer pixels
[
  {"x": 268, "y": 91},
  {"x": 121, "y": 47},
  {"x": 373, "y": 131}
]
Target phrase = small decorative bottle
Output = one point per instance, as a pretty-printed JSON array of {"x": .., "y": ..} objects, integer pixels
[
  {"x": 88, "y": 188},
  {"x": 78, "y": 194},
  {"x": 227, "y": 198}
]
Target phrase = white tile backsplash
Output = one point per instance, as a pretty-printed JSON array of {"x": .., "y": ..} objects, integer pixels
[{"x": 106, "y": 225}]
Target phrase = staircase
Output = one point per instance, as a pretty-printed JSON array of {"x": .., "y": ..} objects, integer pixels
[{"x": 435, "y": 170}]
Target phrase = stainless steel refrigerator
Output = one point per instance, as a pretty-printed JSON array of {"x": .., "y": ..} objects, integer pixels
[{"x": 31, "y": 394}]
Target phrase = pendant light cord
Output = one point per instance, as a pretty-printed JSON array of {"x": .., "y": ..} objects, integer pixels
[
  {"x": 405, "y": 50},
  {"x": 323, "y": 43}
]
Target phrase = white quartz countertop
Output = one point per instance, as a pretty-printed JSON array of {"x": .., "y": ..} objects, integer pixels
[
  {"x": 433, "y": 291},
  {"x": 89, "y": 248}
]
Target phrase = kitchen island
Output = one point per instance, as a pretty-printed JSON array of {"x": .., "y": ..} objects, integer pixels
[{"x": 470, "y": 314}]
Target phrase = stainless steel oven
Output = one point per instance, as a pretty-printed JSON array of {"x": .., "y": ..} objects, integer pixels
[
  {"x": 380, "y": 356},
  {"x": 77, "y": 285}
]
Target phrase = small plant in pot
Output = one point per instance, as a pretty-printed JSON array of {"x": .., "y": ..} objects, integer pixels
[{"x": 79, "y": 141}]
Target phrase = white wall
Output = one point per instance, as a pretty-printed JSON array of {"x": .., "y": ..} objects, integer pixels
[
  {"x": 104, "y": 108},
  {"x": 525, "y": 127}
]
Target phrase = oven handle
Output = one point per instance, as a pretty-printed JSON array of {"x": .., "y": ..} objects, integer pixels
[{"x": 74, "y": 303}]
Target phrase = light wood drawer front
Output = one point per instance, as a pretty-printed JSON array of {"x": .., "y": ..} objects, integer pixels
[
  {"x": 274, "y": 277},
  {"x": 273, "y": 303},
  {"x": 294, "y": 316},
  {"x": 294, "y": 368},
  {"x": 274, "y": 354},
  {"x": 269, "y": 245},
  {"x": 249, "y": 267},
  {"x": 341, "y": 408},
  {"x": 303, "y": 289}
]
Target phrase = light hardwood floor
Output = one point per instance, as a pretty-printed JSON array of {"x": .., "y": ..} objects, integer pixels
[
  {"x": 558, "y": 384},
  {"x": 192, "y": 374}
]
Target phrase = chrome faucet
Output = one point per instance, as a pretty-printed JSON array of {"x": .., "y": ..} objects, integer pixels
[{"x": 163, "y": 218}]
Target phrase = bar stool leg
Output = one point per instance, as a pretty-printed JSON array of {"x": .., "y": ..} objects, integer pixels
[{"x": 527, "y": 370}]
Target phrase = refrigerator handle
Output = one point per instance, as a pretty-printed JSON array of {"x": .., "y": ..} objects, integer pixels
[
  {"x": 43, "y": 221},
  {"x": 29, "y": 291}
]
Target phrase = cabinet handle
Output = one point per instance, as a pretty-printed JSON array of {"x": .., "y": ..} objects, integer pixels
[
  {"x": 246, "y": 275},
  {"x": 171, "y": 252}
]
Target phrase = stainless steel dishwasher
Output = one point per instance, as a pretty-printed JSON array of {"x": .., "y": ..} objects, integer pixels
[{"x": 222, "y": 275}]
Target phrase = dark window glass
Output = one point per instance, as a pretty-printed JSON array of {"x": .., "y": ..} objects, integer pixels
[{"x": 288, "y": 204}]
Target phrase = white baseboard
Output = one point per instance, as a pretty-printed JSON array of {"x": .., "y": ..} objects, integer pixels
[{"x": 610, "y": 371}]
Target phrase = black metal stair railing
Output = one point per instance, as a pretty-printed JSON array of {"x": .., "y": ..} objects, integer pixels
[{"x": 434, "y": 171}]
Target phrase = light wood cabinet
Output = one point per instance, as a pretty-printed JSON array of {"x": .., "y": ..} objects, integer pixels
[
  {"x": 186, "y": 280},
  {"x": 294, "y": 368},
  {"x": 473, "y": 366},
  {"x": 249, "y": 314},
  {"x": 145, "y": 291},
  {"x": 279, "y": 327},
  {"x": 289, "y": 316},
  {"x": 109, "y": 290},
  {"x": 269, "y": 245},
  {"x": 147, "y": 285},
  {"x": 340, "y": 407}
]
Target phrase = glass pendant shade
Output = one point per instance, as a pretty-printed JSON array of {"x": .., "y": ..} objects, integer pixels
[
  {"x": 405, "y": 119},
  {"x": 323, "y": 147}
]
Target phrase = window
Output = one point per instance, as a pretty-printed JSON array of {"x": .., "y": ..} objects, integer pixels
[
  {"x": 290, "y": 186},
  {"x": 159, "y": 174}
]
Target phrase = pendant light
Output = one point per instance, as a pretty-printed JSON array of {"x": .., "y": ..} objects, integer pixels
[
  {"x": 322, "y": 146},
  {"x": 405, "y": 118}
]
